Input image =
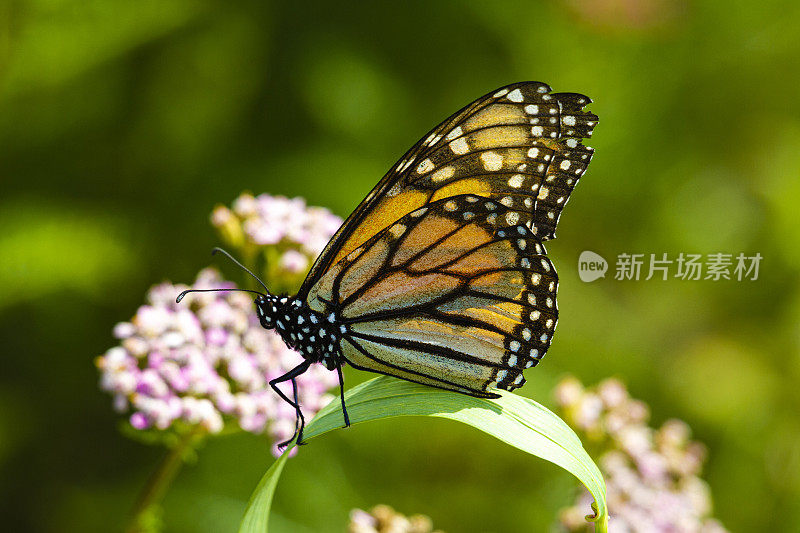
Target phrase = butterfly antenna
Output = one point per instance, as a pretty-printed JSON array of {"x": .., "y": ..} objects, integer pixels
[
  {"x": 184, "y": 293},
  {"x": 237, "y": 263}
]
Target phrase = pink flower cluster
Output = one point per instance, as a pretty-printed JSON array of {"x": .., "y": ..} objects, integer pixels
[
  {"x": 384, "y": 519},
  {"x": 205, "y": 362},
  {"x": 652, "y": 475},
  {"x": 299, "y": 232}
]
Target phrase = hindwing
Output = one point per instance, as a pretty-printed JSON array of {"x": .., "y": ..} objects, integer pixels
[{"x": 457, "y": 294}]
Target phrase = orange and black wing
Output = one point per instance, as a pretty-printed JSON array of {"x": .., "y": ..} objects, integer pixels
[
  {"x": 457, "y": 294},
  {"x": 518, "y": 145}
]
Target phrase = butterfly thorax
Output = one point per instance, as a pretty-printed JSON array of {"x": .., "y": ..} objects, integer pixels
[{"x": 314, "y": 335}]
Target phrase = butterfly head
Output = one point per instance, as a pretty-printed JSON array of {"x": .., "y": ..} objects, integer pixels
[{"x": 267, "y": 309}]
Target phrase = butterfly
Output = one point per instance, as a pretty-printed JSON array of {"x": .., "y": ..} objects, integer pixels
[{"x": 440, "y": 275}]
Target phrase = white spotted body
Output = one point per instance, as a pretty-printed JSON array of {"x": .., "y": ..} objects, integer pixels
[{"x": 315, "y": 336}]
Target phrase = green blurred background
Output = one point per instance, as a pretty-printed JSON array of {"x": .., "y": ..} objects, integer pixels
[{"x": 123, "y": 123}]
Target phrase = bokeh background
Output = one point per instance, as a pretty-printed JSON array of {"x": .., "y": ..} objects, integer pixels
[{"x": 123, "y": 123}]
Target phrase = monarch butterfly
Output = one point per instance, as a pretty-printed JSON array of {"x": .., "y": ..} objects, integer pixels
[{"x": 439, "y": 276}]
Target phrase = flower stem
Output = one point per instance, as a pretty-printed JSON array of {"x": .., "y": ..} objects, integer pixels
[{"x": 144, "y": 517}]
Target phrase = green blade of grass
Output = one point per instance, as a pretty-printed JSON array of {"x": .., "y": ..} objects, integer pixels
[{"x": 515, "y": 420}]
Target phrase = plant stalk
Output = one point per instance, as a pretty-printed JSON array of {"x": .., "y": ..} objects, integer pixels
[{"x": 143, "y": 517}]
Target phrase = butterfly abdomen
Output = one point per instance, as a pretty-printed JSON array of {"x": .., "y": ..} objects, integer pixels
[{"x": 314, "y": 335}]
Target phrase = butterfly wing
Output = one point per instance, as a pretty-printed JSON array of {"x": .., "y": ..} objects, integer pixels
[
  {"x": 457, "y": 294},
  {"x": 519, "y": 145}
]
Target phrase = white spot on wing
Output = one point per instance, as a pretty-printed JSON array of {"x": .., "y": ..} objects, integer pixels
[
  {"x": 515, "y": 96},
  {"x": 443, "y": 173},
  {"x": 459, "y": 146},
  {"x": 516, "y": 181},
  {"x": 425, "y": 166},
  {"x": 492, "y": 161},
  {"x": 453, "y": 134}
]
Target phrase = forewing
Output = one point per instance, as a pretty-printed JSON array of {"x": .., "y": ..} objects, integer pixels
[
  {"x": 458, "y": 294},
  {"x": 519, "y": 145}
]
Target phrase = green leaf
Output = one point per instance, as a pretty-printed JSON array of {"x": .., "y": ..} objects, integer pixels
[
  {"x": 257, "y": 514},
  {"x": 515, "y": 420}
]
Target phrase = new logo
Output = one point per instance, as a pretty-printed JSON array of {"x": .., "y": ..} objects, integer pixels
[{"x": 591, "y": 266}]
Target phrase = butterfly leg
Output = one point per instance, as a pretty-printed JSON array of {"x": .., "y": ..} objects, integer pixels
[
  {"x": 300, "y": 420},
  {"x": 341, "y": 395},
  {"x": 291, "y": 375}
]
